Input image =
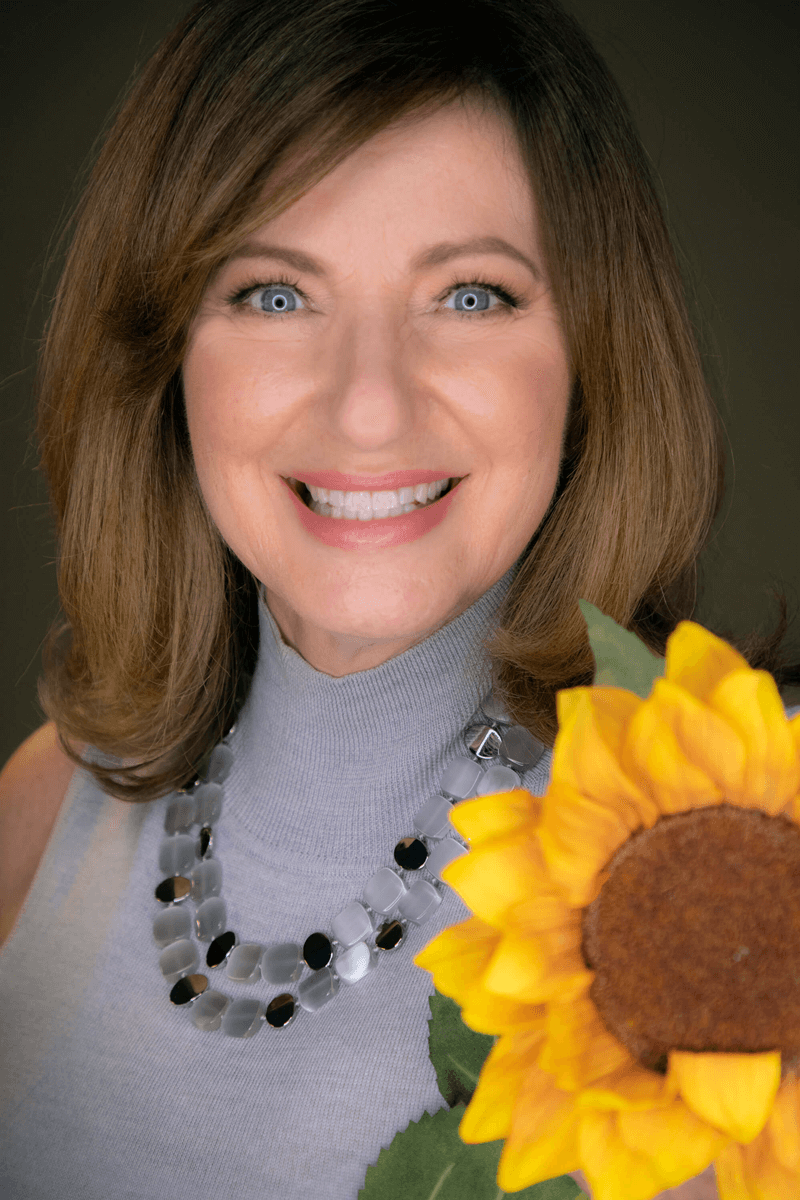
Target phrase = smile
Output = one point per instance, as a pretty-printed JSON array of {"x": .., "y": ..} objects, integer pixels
[{"x": 369, "y": 506}]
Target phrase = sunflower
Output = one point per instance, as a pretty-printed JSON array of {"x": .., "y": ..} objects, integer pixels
[{"x": 635, "y": 943}]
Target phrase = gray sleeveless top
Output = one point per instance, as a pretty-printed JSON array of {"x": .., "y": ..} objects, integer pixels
[{"x": 107, "y": 1090}]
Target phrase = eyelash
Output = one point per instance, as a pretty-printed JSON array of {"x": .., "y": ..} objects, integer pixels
[{"x": 509, "y": 299}]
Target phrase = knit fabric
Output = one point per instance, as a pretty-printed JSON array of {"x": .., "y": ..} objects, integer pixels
[{"x": 107, "y": 1090}]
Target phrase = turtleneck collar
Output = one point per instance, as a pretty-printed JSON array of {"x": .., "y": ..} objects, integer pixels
[{"x": 333, "y": 769}]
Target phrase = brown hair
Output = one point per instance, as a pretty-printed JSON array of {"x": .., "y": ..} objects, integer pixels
[{"x": 161, "y": 617}]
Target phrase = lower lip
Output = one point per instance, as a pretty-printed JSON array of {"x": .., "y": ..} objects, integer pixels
[{"x": 347, "y": 534}]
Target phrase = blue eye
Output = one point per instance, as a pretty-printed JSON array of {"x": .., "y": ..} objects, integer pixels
[
  {"x": 274, "y": 298},
  {"x": 474, "y": 298},
  {"x": 279, "y": 297}
]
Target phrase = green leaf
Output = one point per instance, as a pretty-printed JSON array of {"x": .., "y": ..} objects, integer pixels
[
  {"x": 457, "y": 1052},
  {"x": 428, "y": 1161},
  {"x": 622, "y": 659}
]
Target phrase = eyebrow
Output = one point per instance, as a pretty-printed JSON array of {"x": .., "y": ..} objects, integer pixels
[{"x": 432, "y": 256}]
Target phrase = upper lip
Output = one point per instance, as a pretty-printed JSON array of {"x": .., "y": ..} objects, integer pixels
[{"x": 370, "y": 483}]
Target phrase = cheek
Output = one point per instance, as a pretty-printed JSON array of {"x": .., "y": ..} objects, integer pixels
[
  {"x": 219, "y": 388},
  {"x": 205, "y": 391},
  {"x": 539, "y": 391}
]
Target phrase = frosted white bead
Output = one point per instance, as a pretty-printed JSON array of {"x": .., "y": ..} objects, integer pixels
[
  {"x": 282, "y": 963},
  {"x": 210, "y": 918},
  {"x": 206, "y": 880},
  {"x": 353, "y": 964},
  {"x": 207, "y": 1010},
  {"x": 180, "y": 815},
  {"x": 172, "y": 924},
  {"x": 433, "y": 819},
  {"x": 209, "y": 802},
  {"x": 220, "y": 763},
  {"x": 383, "y": 890},
  {"x": 243, "y": 1018},
  {"x": 460, "y": 779},
  {"x": 180, "y": 958},
  {"x": 444, "y": 852},
  {"x": 317, "y": 989},
  {"x": 244, "y": 962},
  {"x": 352, "y": 924},
  {"x": 498, "y": 779},
  {"x": 520, "y": 749},
  {"x": 176, "y": 855},
  {"x": 420, "y": 902}
]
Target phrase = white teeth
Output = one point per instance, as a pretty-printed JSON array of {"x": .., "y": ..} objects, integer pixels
[{"x": 367, "y": 506}]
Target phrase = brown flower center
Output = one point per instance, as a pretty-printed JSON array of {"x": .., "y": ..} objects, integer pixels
[{"x": 695, "y": 936}]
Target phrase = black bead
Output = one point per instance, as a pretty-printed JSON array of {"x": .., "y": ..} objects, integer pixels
[
  {"x": 188, "y": 989},
  {"x": 389, "y": 935},
  {"x": 280, "y": 1010},
  {"x": 220, "y": 948},
  {"x": 173, "y": 890},
  {"x": 317, "y": 951},
  {"x": 410, "y": 854},
  {"x": 205, "y": 840}
]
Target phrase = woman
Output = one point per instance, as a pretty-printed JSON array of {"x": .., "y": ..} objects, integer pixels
[{"x": 369, "y": 358}]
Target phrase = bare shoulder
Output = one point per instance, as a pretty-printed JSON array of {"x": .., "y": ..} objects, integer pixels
[{"x": 33, "y": 784}]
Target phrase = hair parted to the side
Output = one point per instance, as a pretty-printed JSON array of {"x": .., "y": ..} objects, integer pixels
[{"x": 254, "y": 98}]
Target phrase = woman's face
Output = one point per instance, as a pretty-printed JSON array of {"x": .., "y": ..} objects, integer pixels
[{"x": 367, "y": 360}]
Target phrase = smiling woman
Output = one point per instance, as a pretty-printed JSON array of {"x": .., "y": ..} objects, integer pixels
[
  {"x": 369, "y": 359},
  {"x": 378, "y": 362}
]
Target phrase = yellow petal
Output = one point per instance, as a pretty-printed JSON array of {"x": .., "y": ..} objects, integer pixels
[
  {"x": 500, "y": 873},
  {"x": 630, "y": 1088},
  {"x": 613, "y": 1170},
  {"x": 749, "y": 700},
  {"x": 793, "y": 808},
  {"x": 752, "y": 1172},
  {"x": 682, "y": 1143},
  {"x": 734, "y": 1092},
  {"x": 535, "y": 969},
  {"x": 681, "y": 751},
  {"x": 544, "y": 912},
  {"x": 766, "y": 1177},
  {"x": 579, "y": 1049},
  {"x": 592, "y": 727},
  {"x": 578, "y": 836},
  {"x": 505, "y": 1069},
  {"x": 486, "y": 1012},
  {"x": 542, "y": 1141},
  {"x": 483, "y": 818},
  {"x": 783, "y": 1126},
  {"x": 458, "y": 957},
  {"x": 698, "y": 660},
  {"x": 729, "y": 1171}
]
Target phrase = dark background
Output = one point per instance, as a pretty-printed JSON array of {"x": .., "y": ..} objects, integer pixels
[{"x": 713, "y": 90}]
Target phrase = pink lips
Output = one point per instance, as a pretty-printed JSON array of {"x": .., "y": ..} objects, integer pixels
[
  {"x": 345, "y": 534},
  {"x": 371, "y": 483}
]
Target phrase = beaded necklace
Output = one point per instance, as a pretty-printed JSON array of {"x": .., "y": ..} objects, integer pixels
[{"x": 406, "y": 890}]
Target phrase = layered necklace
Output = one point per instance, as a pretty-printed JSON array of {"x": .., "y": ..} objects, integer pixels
[{"x": 407, "y": 890}]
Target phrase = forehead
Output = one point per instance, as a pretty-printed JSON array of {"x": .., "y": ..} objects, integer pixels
[{"x": 460, "y": 162}]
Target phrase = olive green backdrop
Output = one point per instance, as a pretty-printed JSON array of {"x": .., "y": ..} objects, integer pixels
[{"x": 713, "y": 90}]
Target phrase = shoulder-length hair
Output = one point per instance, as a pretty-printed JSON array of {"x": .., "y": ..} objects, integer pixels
[{"x": 249, "y": 99}]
